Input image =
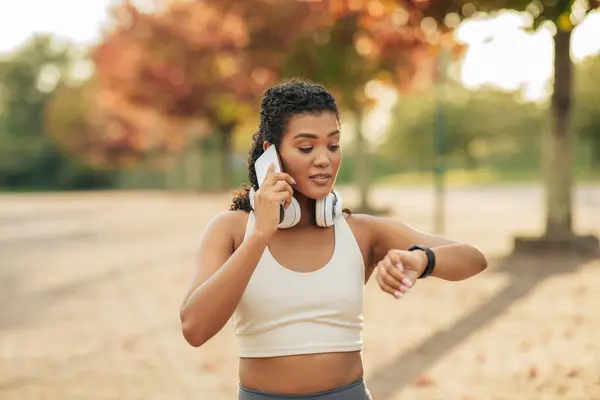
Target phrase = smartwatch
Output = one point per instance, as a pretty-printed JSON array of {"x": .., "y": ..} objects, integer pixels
[{"x": 430, "y": 259}]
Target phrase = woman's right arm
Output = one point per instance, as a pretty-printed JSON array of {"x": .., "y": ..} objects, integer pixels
[
  {"x": 222, "y": 274},
  {"x": 220, "y": 278}
]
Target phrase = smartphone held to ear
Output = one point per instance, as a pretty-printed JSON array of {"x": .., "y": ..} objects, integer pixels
[
  {"x": 262, "y": 165},
  {"x": 327, "y": 209}
]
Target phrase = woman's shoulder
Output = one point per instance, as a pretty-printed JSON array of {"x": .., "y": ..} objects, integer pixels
[
  {"x": 360, "y": 222},
  {"x": 361, "y": 226},
  {"x": 230, "y": 222},
  {"x": 229, "y": 218},
  {"x": 370, "y": 228}
]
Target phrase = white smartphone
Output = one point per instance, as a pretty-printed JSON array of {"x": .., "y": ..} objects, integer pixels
[{"x": 262, "y": 164}]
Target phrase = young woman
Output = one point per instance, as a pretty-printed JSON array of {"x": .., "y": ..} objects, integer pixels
[{"x": 295, "y": 295}]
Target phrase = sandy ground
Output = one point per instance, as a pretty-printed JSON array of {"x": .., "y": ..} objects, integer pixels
[{"x": 90, "y": 286}]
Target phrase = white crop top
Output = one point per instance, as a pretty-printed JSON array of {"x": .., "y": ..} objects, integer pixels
[{"x": 284, "y": 312}]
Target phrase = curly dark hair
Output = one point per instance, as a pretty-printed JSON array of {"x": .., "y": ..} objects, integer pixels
[{"x": 279, "y": 104}]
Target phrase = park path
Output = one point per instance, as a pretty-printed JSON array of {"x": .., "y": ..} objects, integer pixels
[{"x": 90, "y": 286}]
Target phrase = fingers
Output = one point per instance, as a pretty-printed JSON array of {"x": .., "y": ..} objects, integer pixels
[
  {"x": 275, "y": 193},
  {"x": 396, "y": 272},
  {"x": 283, "y": 197},
  {"x": 387, "y": 288},
  {"x": 282, "y": 176},
  {"x": 404, "y": 276},
  {"x": 277, "y": 183},
  {"x": 412, "y": 276},
  {"x": 412, "y": 272},
  {"x": 392, "y": 279},
  {"x": 277, "y": 187},
  {"x": 281, "y": 186},
  {"x": 273, "y": 177},
  {"x": 290, "y": 193},
  {"x": 268, "y": 179},
  {"x": 284, "y": 186}
]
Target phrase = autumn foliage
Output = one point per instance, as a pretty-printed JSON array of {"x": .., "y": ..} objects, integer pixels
[{"x": 195, "y": 66}]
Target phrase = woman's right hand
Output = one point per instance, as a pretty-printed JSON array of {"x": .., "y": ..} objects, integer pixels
[{"x": 275, "y": 189}]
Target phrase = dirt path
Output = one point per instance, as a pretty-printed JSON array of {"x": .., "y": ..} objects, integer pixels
[{"x": 90, "y": 286}]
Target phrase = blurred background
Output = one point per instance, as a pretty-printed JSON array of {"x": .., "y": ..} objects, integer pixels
[{"x": 125, "y": 125}]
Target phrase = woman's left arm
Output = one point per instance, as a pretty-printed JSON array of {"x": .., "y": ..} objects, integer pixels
[{"x": 454, "y": 261}]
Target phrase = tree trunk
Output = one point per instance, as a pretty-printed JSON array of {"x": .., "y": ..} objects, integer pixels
[{"x": 558, "y": 144}]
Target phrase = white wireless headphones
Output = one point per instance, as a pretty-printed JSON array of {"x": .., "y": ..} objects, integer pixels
[{"x": 326, "y": 210}]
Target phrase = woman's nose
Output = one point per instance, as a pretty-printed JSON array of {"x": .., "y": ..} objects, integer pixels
[{"x": 322, "y": 161}]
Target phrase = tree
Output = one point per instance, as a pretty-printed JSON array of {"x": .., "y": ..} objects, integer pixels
[
  {"x": 586, "y": 118},
  {"x": 203, "y": 60},
  {"x": 25, "y": 147},
  {"x": 366, "y": 41},
  {"x": 210, "y": 59},
  {"x": 29, "y": 157},
  {"x": 476, "y": 126},
  {"x": 489, "y": 128},
  {"x": 102, "y": 129},
  {"x": 148, "y": 66},
  {"x": 563, "y": 15}
]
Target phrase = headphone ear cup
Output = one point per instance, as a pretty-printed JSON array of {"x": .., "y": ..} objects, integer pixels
[
  {"x": 291, "y": 215},
  {"x": 324, "y": 211},
  {"x": 338, "y": 206},
  {"x": 328, "y": 209},
  {"x": 320, "y": 213}
]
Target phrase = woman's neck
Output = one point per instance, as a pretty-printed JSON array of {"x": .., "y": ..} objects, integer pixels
[{"x": 307, "y": 210}]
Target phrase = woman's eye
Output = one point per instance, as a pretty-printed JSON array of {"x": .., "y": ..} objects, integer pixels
[
  {"x": 334, "y": 147},
  {"x": 305, "y": 149}
]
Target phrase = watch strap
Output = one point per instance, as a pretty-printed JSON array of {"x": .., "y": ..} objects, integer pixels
[{"x": 430, "y": 259}]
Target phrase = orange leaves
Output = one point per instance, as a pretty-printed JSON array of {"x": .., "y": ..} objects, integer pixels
[
  {"x": 107, "y": 130},
  {"x": 140, "y": 129},
  {"x": 202, "y": 25},
  {"x": 207, "y": 59},
  {"x": 397, "y": 37},
  {"x": 146, "y": 59},
  {"x": 375, "y": 8},
  {"x": 75, "y": 120},
  {"x": 192, "y": 61},
  {"x": 180, "y": 59},
  {"x": 117, "y": 60}
]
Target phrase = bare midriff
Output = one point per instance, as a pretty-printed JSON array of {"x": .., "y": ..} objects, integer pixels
[{"x": 301, "y": 374}]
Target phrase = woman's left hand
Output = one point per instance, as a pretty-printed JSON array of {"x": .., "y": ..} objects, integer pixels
[{"x": 399, "y": 270}]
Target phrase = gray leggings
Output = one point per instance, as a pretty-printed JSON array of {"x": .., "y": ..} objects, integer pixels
[{"x": 353, "y": 391}]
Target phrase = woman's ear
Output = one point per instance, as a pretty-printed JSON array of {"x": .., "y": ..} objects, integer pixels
[{"x": 266, "y": 145}]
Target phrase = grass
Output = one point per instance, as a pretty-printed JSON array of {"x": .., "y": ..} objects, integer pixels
[
  {"x": 461, "y": 177},
  {"x": 453, "y": 177}
]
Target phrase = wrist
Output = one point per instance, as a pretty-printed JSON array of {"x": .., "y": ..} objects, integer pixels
[
  {"x": 424, "y": 260},
  {"x": 259, "y": 238},
  {"x": 428, "y": 259}
]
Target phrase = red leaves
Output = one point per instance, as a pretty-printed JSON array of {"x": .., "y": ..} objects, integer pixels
[
  {"x": 106, "y": 130},
  {"x": 182, "y": 63},
  {"x": 203, "y": 26},
  {"x": 397, "y": 36},
  {"x": 179, "y": 60}
]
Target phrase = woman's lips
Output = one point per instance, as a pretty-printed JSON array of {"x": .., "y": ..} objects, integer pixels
[{"x": 320, "y": 179}]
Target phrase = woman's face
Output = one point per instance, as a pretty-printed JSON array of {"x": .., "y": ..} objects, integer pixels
[{"x": 310, "y": 152}]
